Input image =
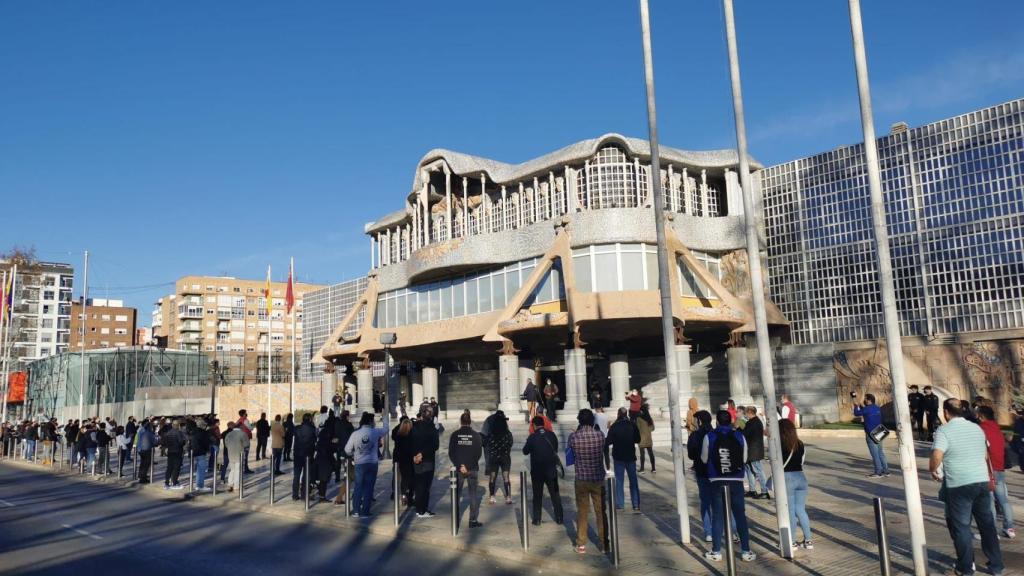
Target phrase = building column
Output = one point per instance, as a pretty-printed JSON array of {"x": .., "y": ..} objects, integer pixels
[
  {"x": 618, "y": 367},
  {"x": 683, "y": 379},
  {"x": 508, "y": 382},
  {"x": 739, "y": 375},
  {"x": 575, "y": 380},
  {"x": 364, "y": 390},
  {"x": 429, "y": 378},
  {"x": 415, "y": 388}
]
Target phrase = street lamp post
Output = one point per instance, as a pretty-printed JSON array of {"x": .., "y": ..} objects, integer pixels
[{"x": 388, "y": 339}]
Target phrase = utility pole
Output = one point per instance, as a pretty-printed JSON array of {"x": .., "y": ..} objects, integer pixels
[
  {"x": 764, "y": 352},
  {"x": 893, "y": 340},
  {"x": 664, "y": 285},
  {"x": 85, "y": 305}
]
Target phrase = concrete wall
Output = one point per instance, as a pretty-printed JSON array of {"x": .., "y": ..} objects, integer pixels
[{"x": 805, "y": 373}]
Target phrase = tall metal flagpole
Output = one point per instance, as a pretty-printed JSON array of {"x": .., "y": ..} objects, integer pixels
[
  {"x": 664, "y": 286},
  {"x": 85, "y": 305},
  {"x": 764, "y": 353},
  {"x": 291, "y": 385},
  {"x": 270, "y": 331},
  {"x": 893, "y": 342},
  {"x": 5, "y": 333},
  {"x": 8, "y": 341}
]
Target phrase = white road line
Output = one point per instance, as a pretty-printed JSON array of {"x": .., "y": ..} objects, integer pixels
[
  {"x": 83, "y": 532},
  {"x": 6, "y": 503}
]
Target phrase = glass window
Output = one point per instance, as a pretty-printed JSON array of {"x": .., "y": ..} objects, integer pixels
[
  {"x": 446, "y": 300},
  {"x": 498, "y": 289},
  {"x": 607, "y": 273},
  {"x": 581, "y": 266},
  {"x": 472, "y": 304},
  {"x": 484, "y": 285},
  {"x": 652, "y": 268},
  {"x": 435, "y": 303},
  {"x": 403, "y": 318},
  {"x": 632, "y": 271},
  {"x": 458, "y": 298}
]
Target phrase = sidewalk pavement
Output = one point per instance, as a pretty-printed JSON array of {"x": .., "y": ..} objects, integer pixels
[{"x": 839, "y": 506}]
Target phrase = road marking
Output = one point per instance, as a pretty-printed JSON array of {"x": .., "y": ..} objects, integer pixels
[
  {"x": 83, "y": 532},
  {"x": 6, "y": 503}
]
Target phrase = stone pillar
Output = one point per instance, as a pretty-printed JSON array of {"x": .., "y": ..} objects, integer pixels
[
  {"x": 508, "y": 383},
  {"x": 683, "y": 379},
  {"x": 415, "y": 389},
  {"x": 429, "y": 379},
  {"x": 739, "y": 376},
  {"x": 364, "y": 391},
  {"x": 575, "y": 380},
  {"x": 619, "y": 369}
]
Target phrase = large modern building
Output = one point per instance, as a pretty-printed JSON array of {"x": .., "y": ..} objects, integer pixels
[
  {"x": 495, "y": 273},
  {"x": 324, "y": 309},
  {"x": 227, "y": 318},
  {"x": 41, "y": 307},
  {"x": 108, "y": 324}
]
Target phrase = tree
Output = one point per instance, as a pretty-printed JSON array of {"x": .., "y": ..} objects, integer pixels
[{"x": 20, "y": 255}]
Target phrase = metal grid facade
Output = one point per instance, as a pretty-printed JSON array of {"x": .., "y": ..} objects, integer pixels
[
  {"x": 323, "y": 310},
  {"x": 954, "y": 200}
]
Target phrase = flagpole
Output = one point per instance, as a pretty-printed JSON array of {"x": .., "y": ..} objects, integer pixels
[
  {"x": 85, "y": 304},
  {"x": 270, "y": 331},
  {"x": 4, "y": 333},
  {"x": 291, "y": 386},
  {"x": 8, "y": 343}
]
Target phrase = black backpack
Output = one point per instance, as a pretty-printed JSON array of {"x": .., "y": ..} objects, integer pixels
[{"x": 727, "y": 457}]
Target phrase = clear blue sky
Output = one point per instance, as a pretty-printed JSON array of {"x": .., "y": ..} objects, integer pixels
[{"x": 174, "y": 138}]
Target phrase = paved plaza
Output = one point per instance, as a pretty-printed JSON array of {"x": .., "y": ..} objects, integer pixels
[{"x": 67, "y": 519}]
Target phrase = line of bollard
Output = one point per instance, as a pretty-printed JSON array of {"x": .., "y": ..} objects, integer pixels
[
  {"x": 305, "y": 482},
  {"x": 523, "y": 510},
  {"x": 882, "y": 530},
  {"x": 241, "y": 481},
  {"x": 453, "y": 487},
  {"x": 271, "y": 481},
  {"x": 730, "y": 557},
  {"x": 348, "y": 491},
  {"x": 152, "y": 465},
  {"x": 191, "y": 472},
  {"x": 395, "y": 487},
  {"x": 613, "y": 521},
  {"x": 135, "y": 464}
]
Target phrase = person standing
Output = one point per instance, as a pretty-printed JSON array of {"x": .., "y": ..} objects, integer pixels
[
  {"x": 916, "y": 401},
  {"x": 402, "y": 454},
  {"x": 724, "y": 450},
  {"x": 531, "y": 395},
  {"x": 326, "y": 451},
  {"x": 130, "y": 428},
  {"x": 959, "y": 460},
  {"x": 551, "y": 399},
  {"x": 499, "y": 456},
  {"x": 173, "y": 441},
  {"x": 1017, "y": 440},
  {"x": 246, "y": 427},
  {"x": 145, "y": 445},
  {"x": 542, "y": 448},
  {"x": 464, "y": 450},
  {"x": 587, "y": 444},
  {"x": 997, "y": 458},
  {"x": 343, "y": 430},
  {"x": 262, "y": 434},
  {"x": 693, "y": 448},
  {"x": 930, "y": 405},
  {"x": 796, "y": 482},
  {"x": 103, "y": 441},
  {"x": 753, "y": 433},
  {"x": 289, "y": 436},
  {"x": 305, "y": 442},
  {"x": 200, "y": 441},
  {"x": 424, "y": 443},
  {"x": 276, "y": 443},
  {"x": 789, "y": 411},
  {"x": 622, "y": 438},
  {"x": 122, "y": 442},
  {"x": 235, "y": 442},
  {"x": 871, "y": 415},
  {"x": 636, "y": 400},
  {"x": 645, "y": 424}
]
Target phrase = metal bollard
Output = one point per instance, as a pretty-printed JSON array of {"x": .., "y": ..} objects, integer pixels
[
  {"x": 135, "y": 464},
  {"x": 453, "y": 487},
  {"x": 305, "y": 482},
  {"x": 152, "y": 465},
  {"x": 613, "y": 521},
  {"x": 883, "y": 537},
  {"x": 214, "y": 474},
  {"x": 120, "y": 463},
  {"x": 191, "y": 471},
  {"x": 241, "y": 481},
  {"x": 395, "y": 487},
  {"x": 730, "y": 558},
  {"x": 348, "y": 492},
  {"x": 523, "y": 510},
  {"x": 271, "y": 482}
]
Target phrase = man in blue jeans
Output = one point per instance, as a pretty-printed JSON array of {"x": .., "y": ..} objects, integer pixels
[
  {"x": 362, "y": 448},
  {"x": 871, "y": 415},
  {"x": 623, "y": 437},
  {"x": 959, "y": 460},
  {"x": 724, "y": 451}
]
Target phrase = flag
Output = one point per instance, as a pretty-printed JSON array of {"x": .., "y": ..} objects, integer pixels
[
  {"x": 5, "y": 296},
  {"x": 266, "y": 293},
  {"x": 289, "y": 296}
]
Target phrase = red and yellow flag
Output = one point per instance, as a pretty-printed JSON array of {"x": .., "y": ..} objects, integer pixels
[
  {"x": 289, "y": 296},
  {"x": 267, "y": 294}
]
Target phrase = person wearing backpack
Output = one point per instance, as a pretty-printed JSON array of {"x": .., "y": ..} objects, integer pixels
[
  {"x": 622, "y": 438},
  {"x": 542, "y": 448},
  {"x": 724, "y": 451}
]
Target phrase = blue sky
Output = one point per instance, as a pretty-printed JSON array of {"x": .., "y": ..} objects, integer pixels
[{"x": 216, "y": 138}]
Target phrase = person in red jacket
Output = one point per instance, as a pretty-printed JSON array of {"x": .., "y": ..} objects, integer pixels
[
  {"x": 243, "y": 423},
  {"x": 996, "y": 453},
  {"x": 542, "y": 415}
]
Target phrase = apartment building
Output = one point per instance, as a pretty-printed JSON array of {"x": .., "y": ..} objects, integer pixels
[
  {"x": 41, "y": 311},
  {"x": 108, "y": 324}
]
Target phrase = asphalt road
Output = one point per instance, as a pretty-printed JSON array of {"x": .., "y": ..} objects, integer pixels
[{"x": 53, "y": 525}]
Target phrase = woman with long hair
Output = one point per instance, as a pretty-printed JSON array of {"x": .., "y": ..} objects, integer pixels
[
  {"x": 796, "y": 482},
  {"x": 402, "y": 454},
  {"x": 646, "y": 426},
  {"x": 499, "y": 457}
]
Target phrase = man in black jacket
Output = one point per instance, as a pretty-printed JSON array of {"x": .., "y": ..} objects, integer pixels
[
  {"x": 199, "y": 440},
  {"x": 289, "y": 436},
  {"x": 424, "y": 449},
  {"x": 542, "y": 448},
  {"x": 262, "y": 434},
  {"x": 753, "y": 433},
  {"x": 129, "y": 431},
  {"x": 342, "y": 430},
  {"x": 464, "y": 449},
  {"x": 305, "y": 442},
  {"x": 173, "y": 441},
  {"x": 623, "y": 436},
  {"x": 103, "y": 447}
]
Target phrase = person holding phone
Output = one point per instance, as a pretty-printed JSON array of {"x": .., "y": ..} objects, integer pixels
[{"x": 871, "y": 415}]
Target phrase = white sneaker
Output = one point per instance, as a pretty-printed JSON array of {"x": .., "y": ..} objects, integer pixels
[
  {"x": 1010, "y": 533},
  {"x": 708, "y": 538},
  {"x": 713, "y": 556},
  {"x": 748, "y": 556},
  {"x": 427, "y": 514}
]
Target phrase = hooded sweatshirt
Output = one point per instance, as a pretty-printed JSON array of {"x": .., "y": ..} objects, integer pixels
[{"x": 362, "y": 444}]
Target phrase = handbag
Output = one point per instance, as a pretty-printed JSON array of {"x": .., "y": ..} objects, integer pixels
[
  {"x": 878, "y": 434},
  {"x": 570, "y": 455}
]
